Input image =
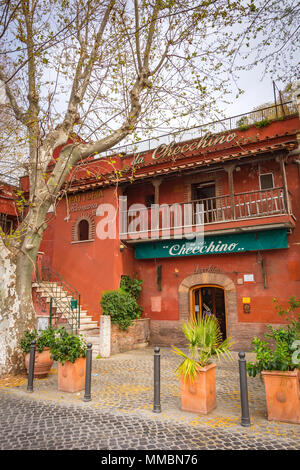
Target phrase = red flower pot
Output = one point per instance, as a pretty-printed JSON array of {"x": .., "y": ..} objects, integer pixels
[
  {"x": 199, "y": 396},
  {"x": 42, "y": 363},
  {"x": 283, "y": 395},
  {"x": 71, "y": 376}
]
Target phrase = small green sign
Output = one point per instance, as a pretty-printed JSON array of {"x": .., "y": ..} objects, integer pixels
[
  {"x": 214, "y": 245},
  {"x": 73, "y": 303}
]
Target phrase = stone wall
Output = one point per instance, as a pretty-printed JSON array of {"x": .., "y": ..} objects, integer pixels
[
  {"x": 168, "y": 333},
  {"x": 137, "y": 336}
]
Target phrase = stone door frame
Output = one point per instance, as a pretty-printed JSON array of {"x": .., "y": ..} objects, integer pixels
[{"x": 216, "y": 279}]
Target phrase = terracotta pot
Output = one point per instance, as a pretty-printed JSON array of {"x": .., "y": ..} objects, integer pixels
[
  {"x": 283, "y": 395},
  {"x": 42, "y": 363},
  {"x": 71, "y": 376},
  {"x": 199, "y": 396}
]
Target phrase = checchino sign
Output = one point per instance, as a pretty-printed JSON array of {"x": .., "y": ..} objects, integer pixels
[{"x": 213, "y": 245}]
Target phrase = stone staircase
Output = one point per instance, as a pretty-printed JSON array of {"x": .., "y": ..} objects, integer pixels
[{"x": 88, "y": 328}]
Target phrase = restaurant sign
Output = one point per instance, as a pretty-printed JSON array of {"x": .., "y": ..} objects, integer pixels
[
  {"x": 172, "y": 149},
  {"x": 214, "y": 245}
]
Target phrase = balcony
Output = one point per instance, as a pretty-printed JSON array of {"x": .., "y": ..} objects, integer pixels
[
  {"x": 246, "y": 211},
  {"x": 243, "y": 205}
]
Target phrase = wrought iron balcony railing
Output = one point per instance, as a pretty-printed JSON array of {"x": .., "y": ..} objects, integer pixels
[
  {"x": 244, "y": 205},
  {"x": 178, "y": 218}
]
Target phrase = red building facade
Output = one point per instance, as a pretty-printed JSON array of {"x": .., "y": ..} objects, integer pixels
[
  {"x": 9, "y": 213},
  {"x": 247, "y": 181}
]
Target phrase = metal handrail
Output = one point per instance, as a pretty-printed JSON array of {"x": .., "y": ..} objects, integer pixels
[
  {"x": 61, "y": 307},
  {"x": 286, "y": 109}
]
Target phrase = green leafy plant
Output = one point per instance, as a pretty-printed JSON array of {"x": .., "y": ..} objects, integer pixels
[
  {"x": 243, "y": 124},
  {"x": 278, "y": 353},
  {"x": 67, "y": 346},
  {"x": 262, "y": 123},
  {"x": 132, "y": 286},
  {"x": 244, "y": 127},
  {"x": 204, "y": 342},
  {"x": 274, "y": 357},
  {"x": 289, "y": 313},
  {"x": 43, "y": 338},
  {"x": 121, "y": 306}
]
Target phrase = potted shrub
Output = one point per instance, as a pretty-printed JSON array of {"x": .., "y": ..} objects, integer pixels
[
  {"x": 44, "y": 340},
  {"x": 197, "y": 371},
  {"x": 70, "y": 352},
  {"x": 277, "y": 361},
  {"x": 122, "y": 307}
]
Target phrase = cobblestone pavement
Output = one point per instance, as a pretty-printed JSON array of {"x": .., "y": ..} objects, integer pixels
[
  {"x": 38, "y": 425},
  {"x": 120, "y": 414}
]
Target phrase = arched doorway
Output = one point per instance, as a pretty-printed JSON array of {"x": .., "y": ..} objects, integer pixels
[
  {"x": 219, "y": 280},
  {"x": 209, "y": 299}
]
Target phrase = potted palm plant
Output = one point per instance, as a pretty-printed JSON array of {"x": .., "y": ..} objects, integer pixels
[
  {"x": 69, "y": 351},
  {"x": 197, "y": 371},
  {"x": 44, "y": 340}
]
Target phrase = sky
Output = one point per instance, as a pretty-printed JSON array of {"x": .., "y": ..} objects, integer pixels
[{"x": 256, "y": 92}]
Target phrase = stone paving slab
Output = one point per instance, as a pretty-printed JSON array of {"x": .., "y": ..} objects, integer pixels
[{"x": 122, "y": 385}]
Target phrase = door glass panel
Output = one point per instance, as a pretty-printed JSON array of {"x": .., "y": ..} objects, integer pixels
[
  {"x": 220, "y": 310},
  {"x": 197, "y": 303},
  {"x": 209, "y": 300}
]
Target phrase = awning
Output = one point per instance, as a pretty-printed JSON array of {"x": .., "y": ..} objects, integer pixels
[{"x": 214, "y": 245}]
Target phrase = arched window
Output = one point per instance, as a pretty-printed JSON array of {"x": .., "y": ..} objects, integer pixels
[{"x": 83, "y": 230}]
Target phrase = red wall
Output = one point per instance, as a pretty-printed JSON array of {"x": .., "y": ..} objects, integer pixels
[
  {"x": 90, "y": 267},
  {"x": 96, "y": 266},
  {"x": 280, "y": 268}
]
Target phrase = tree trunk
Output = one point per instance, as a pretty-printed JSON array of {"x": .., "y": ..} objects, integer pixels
[
  {"x": 16, "y": 307},
  {"x": 16, "y": 313}
]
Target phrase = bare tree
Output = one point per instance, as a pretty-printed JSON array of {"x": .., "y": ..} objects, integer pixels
[
  {"x": 107, "y": 70},
  {"x": 270, "y": 36}
]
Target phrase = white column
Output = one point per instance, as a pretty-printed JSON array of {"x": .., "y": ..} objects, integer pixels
[{"x": 105, "y": 335}]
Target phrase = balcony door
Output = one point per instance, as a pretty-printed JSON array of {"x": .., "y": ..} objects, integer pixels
[
  {"x": 209, "y": 300},
  {"x": 206, "y": 193}
]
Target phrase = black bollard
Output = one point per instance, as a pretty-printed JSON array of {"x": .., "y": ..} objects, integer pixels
[
  {"x": 88, "y": 373},
  {"x": 156, "y": 405},
  {"x": 31, "y": 367},
  {"x": 244, "y": 390}
]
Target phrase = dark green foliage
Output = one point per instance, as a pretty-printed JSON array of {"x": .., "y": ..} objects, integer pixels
[
  {"x": 121, "y": 306},
  {"x": 44, "y": 339},
  {"x": 244, "y": 127},
  {"x": 262, "y": 123},
  {"x": 280, "y": 353},
  {"x": 243, "y": 124},
  {"x": 67, "y": 347},
  {"x": 278, "y": 357},
  {"x": 132, "y": 286}
]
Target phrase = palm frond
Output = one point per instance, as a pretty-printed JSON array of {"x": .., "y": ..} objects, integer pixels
[{"x": 204, "y": 341}]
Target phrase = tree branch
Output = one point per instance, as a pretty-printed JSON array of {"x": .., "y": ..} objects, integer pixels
[{"x": 82, "y": 77}]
